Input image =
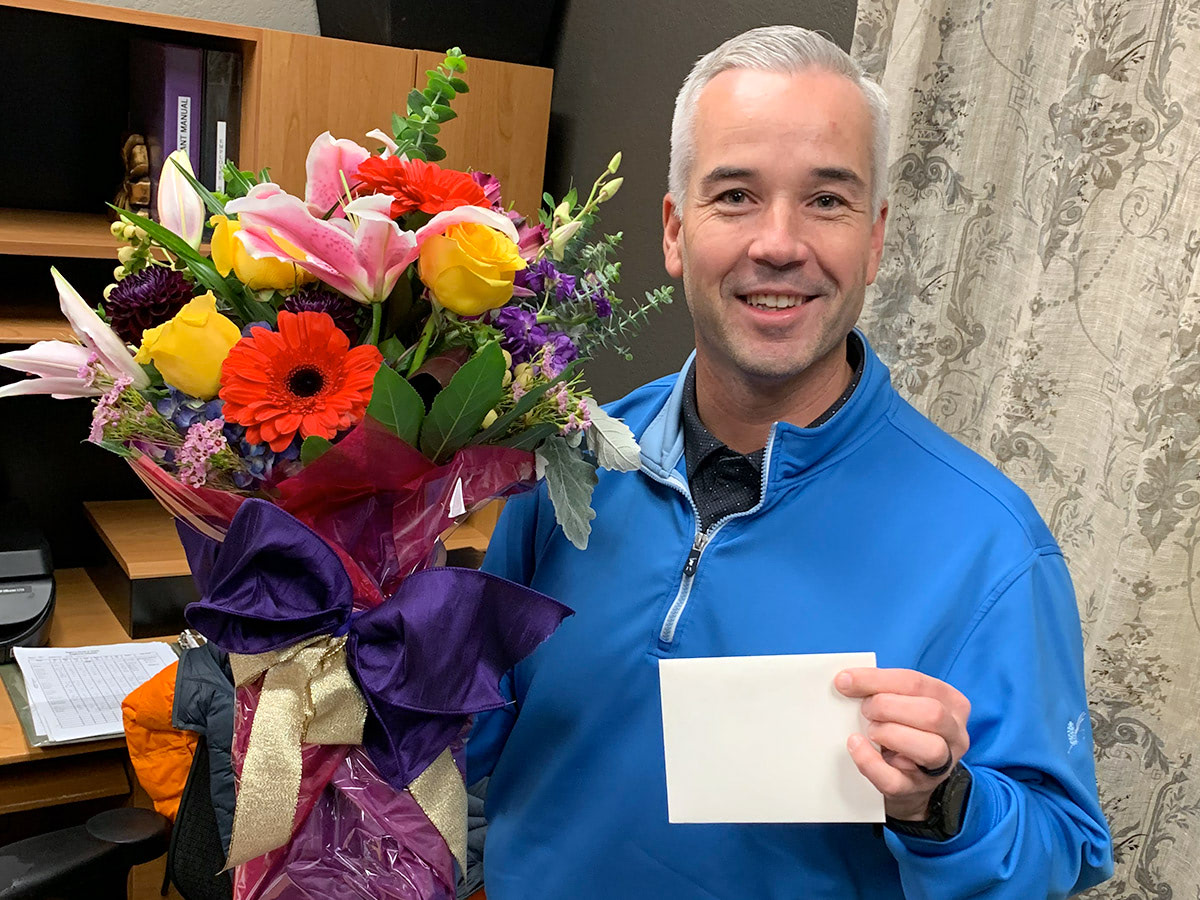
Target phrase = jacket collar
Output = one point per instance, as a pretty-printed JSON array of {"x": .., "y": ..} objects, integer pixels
[{"x": 791, "y": 450}]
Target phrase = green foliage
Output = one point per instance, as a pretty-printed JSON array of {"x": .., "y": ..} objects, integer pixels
[
  {"x": 396, "y": 404},
  {"x": 459, "y": 409},
  {"x": 416, "y": 133},
  {"x": 237, "y": 182},
  {"x": 569, "y": 480},
  {"x": 313, "y": 448},
  {"x": 502, "y": 425}
]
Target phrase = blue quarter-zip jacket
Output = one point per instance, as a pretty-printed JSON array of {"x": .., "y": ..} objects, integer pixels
[{"x": 875, "y": 531}]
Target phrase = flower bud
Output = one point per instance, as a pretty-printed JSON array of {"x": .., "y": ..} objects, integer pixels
[
  {"x": 561, "y": 236},
  {"x": 128, "y": 232},
  {"x": 609, "y": 190},
  {"x": 125, "y": 254},
  {"x": 507, "y": 379},
  {"x": 523, "y": 374},
  {"x": 489, "y": 419},
  {"x": 614, "y": 163},
  {"x": 119, "y": 273},
  {"x": 117, "y": 228},
  {"x": 562, "y": 212},
  {"x": 108, "y": 290},
  {"x": 507, "y": 358}
]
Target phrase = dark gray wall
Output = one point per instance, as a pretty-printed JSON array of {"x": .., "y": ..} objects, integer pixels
[{"x": 618, "y": 66}]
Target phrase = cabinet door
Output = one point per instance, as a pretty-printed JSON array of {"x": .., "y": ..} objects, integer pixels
[
  {"x": 501, "y": 125},
  {"x": 312, "y": 84}
]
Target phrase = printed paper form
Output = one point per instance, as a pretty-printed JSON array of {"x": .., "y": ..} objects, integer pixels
[{"x": 76, "y": 692}]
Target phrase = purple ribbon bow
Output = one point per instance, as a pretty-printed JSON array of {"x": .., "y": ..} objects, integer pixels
[{"x": 424, "y": 659}]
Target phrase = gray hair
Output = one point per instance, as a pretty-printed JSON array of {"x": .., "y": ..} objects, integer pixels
[{"x": 775, "y": 48}]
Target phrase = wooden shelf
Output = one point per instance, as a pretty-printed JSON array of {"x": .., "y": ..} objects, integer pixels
[
  {"x": 141, "y": 536},
  {"x": 33, "y": 232},
  {"x": 29, "y": 324}
]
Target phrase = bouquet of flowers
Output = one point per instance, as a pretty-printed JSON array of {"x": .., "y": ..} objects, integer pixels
[{"x": 341, "y": 379}]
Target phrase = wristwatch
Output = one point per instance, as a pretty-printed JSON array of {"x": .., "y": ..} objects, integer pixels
[{"x": 946, "y": 807}]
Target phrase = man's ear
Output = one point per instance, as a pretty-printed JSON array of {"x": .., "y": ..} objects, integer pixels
[
  {"x": 877, "y": 230},
  {"x": 672, "y": 254}
]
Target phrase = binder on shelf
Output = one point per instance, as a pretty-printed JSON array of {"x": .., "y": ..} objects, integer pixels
[
  {"x": 221, "y": 119},
  {"x": 165, "y": 96}
]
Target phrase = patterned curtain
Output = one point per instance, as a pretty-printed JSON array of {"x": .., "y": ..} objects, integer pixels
[{"x": 1039, "y": 299}]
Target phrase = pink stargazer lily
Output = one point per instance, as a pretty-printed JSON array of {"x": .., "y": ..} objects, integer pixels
[
  {"x": 59, "y": 364},
  {"x": 329, "y": 169},
  {"x": 362, "y": 256}
]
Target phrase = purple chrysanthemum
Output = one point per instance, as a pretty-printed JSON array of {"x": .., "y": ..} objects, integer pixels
[
  {"x": 523, "y": 336},
  {"x": 145, "y": 299},
  {"x": 342, "y": 310}
]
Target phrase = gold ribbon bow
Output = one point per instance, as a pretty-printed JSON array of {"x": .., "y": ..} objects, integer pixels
[{"x": 309, "y": 696}]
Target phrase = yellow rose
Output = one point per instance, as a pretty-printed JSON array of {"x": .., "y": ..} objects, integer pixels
[
  {"x": 229, "y": 254},
  {"x": 470, "y": 268},
  {"x": 189, "y": 349}
]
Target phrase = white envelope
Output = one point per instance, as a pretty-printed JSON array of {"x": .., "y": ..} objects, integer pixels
[{"x": 763, "y": 739}]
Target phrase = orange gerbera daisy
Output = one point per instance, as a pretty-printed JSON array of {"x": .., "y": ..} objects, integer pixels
[
  {"x": 416, "y": 184},
  {"x": 303, "y": 378}
]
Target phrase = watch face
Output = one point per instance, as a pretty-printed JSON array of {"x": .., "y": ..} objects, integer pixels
[{"x": 946, "y": 806}]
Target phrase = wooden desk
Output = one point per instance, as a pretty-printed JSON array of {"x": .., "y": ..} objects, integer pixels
[{"x": 81, "y": 618}]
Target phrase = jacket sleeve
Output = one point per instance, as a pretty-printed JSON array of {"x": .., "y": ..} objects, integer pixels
[
  {"x": 510, "y": 555},
  {"x": 1033, "y": 826}
]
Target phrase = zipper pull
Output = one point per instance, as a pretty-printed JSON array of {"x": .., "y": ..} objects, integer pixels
[{"x": 693, "y": 560}]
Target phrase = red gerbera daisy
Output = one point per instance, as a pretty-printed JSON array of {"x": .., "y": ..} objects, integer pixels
[
  {"x": 416, "y": 184},
  {"x": 303, "y": 378}
]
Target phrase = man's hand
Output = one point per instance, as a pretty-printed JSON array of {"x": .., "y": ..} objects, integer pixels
[{"x": 917, "y": 721}]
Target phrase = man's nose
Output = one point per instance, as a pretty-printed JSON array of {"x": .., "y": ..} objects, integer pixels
[{"x": 780, "y": 239}]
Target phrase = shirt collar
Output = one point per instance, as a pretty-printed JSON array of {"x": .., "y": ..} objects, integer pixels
[{"x": 699, "y": 443}]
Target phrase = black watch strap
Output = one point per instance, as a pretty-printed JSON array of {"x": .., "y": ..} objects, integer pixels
[{"x": 947, "y": 805}]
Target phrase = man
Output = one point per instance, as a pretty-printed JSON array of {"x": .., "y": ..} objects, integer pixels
[{"x": 789, "y": 501}]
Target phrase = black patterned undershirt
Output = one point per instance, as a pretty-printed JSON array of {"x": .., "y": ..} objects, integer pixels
[{"x": 722, "y": 480}]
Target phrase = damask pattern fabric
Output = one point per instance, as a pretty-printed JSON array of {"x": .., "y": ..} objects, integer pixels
[{"x": 1039, "y": 300}]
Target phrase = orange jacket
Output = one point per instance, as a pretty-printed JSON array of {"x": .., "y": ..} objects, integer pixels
[{"x": 161, "y": 754}]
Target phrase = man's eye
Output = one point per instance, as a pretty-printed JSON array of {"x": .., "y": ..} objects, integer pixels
[
  {"x": 734, "y": 196},
  {"x": 828, "y": 201}
]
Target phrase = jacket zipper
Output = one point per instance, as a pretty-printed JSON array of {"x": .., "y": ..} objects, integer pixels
[{"x": 666, "y": 634}]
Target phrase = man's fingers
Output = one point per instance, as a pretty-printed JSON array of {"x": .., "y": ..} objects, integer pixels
[
  {"x": 866, "y": 682},
  {"x": 888, "y": 780},
  {"x": 922, "y": 713},
  {"x": 921, "y": 747}
]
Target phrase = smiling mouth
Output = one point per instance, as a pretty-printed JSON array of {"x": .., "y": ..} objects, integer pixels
[{"x": 773, "y": 301}]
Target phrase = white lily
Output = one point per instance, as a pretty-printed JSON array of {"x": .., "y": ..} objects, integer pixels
[
  {"x": 58, "y": 363},
  {"x": 180, "y": 208}
]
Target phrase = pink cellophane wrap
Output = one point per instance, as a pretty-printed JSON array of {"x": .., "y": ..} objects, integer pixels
[{"x": 381, "y": 506}]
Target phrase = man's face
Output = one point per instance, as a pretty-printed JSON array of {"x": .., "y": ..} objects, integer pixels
[{"x": 776, "y": 241}]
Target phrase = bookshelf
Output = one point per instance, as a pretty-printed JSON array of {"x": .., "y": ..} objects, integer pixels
[{"x": 65, "y": 111}]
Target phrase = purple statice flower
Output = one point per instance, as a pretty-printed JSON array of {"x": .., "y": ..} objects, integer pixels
[
  {"x": 106, "y": 412},
  {"x": 342, "y": 310},
  {"x": 204, "y": 440},
  {"x": 145, "y": 299},
  {"x": 522, "y": 334},
  {"x": 558, "y": 352},
  {"x": 183, "y": 410}
]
